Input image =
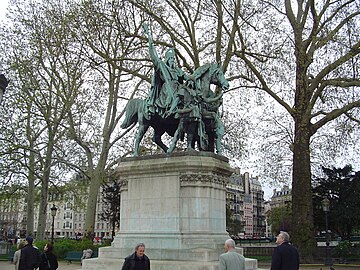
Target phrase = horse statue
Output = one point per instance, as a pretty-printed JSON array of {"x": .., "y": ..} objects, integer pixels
[
  {"x": 199, "y": 117},
  {"x": 136, "y": 111}
]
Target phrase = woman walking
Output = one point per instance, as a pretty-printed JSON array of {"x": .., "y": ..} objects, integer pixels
[{"x": 48, "y": 259}]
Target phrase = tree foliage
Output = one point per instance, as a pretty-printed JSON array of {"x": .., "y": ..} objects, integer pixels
[
  {"x": 233, "y": 226},
  {"x": 310, "y": 48},
  {"x": 342, "y": 187},
  {"x": 111, "y": 200},
  {"x": 280, "y": 219}
]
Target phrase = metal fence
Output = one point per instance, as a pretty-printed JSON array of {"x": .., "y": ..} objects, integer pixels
[{"x": 5, "y": 247}]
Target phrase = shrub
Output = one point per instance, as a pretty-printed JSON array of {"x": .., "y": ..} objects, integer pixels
[{"x": 62, "y": 246}]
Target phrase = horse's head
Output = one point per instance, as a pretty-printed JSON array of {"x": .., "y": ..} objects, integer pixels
[
  {"x": 217, "y": 76},
  {"x": 209, "y": 74}
]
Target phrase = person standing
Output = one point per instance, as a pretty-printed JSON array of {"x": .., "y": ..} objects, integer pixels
[
  {"x": 285, "y": 256},
  {"x": 231, "y": 260},
  {"x": 138, "y": 260},
  {"x": 87, "y": 254},
  {"x": 17, "y": 254},
  {"x": 30, "y": 256},
  {"x": 48, "y": 259}
]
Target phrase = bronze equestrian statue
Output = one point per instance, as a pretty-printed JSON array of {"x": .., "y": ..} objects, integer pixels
[{"x": 179, "y": 104}]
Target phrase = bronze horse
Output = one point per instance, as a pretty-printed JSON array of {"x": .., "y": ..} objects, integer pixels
[{"x": 137, "y": 111}]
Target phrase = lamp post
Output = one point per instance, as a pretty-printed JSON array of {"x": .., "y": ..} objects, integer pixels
[
  {"x": 53, "y": 214},
  {"x": 326, "y": 208}
]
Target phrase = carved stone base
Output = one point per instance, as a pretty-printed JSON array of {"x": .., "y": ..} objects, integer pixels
[{"x": 175, "y": 204}]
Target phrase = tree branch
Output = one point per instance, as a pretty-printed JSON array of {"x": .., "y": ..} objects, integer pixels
[{"x": 333, "y": 115}]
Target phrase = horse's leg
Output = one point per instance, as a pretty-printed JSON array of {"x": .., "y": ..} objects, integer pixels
[
  {"x": 158, "y": 141},
  {"x": 211, "y": 137},
  {"x": 177, "y": 135},
  {"x": 139, "y": 135},
  {"x": 218, "y": 146},
  {"x": 191, "y": 134},
  {"x": 220, "y": 130}
]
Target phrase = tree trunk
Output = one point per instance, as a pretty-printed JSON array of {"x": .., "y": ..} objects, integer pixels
[
  {"x": 30, "y": 195},
  {"x": 96, "y": 180},
  {"x": 302, "y": 219},
  {"x": 40, "y": 234}
]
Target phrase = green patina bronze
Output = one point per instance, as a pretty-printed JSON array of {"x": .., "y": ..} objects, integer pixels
[{"x": 179, "y": 104}]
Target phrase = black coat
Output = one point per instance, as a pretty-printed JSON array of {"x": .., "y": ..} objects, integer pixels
[
  {"x": 30, "y": 258},
  {"x": 48, "y": 256},
  {"x": 129, "y": 263},
  {"x": 285, "y": 257}
]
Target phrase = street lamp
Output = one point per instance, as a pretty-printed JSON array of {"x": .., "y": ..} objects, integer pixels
[
  {"x": 326, "y": 208},
  {"x": 53, "y": 214}
]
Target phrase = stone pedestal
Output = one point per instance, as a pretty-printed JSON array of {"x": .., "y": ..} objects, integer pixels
[{"x": 175, "y": 205}]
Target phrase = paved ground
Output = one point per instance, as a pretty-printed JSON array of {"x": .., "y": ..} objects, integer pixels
[
  {"x": 4, "y": 265},
  {"x": 316, "y": 267}
]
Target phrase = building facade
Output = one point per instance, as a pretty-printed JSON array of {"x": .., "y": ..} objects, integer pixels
[
  {"x": 245, "y": 198},
  {"x": 280, "y": 197}
]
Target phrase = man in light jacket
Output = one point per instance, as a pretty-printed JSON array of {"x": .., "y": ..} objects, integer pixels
[{"x": 231, "y": 260}]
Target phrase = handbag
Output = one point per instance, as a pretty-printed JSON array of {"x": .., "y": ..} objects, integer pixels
[{"x": 47, "y": 261}]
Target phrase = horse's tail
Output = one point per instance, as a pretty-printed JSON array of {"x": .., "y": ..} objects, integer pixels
[{"x": 131, "y": 112}]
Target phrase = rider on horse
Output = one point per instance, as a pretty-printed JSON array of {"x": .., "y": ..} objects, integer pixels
[{"x": 168, "y": 82}]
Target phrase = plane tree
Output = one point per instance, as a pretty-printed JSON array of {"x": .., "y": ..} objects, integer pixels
[
  {"x": 311, "y": 54},
  {"x": 45, "y": 79}
]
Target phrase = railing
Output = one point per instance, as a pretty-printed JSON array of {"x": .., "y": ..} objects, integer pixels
[
  {"x": 5, "y": 247},
  {"x": 256, "y": 242},
  {"x": 258, "y": 251}
]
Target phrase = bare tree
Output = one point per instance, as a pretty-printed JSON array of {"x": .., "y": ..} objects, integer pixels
[
  {"x": 112, "y": 54},
  {"x": 319, "y": 46},
  {"x": 49, "y": 78}
]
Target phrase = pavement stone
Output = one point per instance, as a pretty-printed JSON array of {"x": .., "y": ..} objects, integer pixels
[
  {"x": 266, "y": 266},
  {"x": 6, "y": 265}
]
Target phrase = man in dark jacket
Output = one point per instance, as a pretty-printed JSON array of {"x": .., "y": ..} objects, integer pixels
[
  {"x": 30, "y": 257},
  {"x": 285, "y": 256},
  {"x": 138, "y": 260}
]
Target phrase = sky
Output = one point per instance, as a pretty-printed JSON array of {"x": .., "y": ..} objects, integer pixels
[
  {"x": 267, "y": 190},
  {"x": 3, "y": 6}
]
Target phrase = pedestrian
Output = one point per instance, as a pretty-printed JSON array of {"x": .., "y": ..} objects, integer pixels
[
  {"x": 87, "y": 254},
  {"x": 231, "y": 259},
  {"x": 48, "y": 258},
  {"x": 138, "y": 260},
  {"x": 30, "y": 256},
  {"x": 285, "y": 256},
  {"x": 17, "y": 254}
]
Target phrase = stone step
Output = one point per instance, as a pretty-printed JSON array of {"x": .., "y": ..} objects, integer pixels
[{"x": 115, "y": 264}]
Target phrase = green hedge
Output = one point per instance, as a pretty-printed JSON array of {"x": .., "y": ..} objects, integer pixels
[{"x": 62, "y": 246}]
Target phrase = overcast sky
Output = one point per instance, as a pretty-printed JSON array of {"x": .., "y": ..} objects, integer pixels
[
  {"x": 268, "y": 190},
  {"x": 3, "y": 5}
]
